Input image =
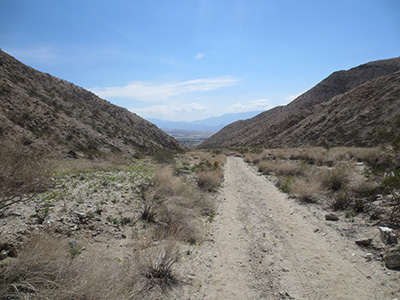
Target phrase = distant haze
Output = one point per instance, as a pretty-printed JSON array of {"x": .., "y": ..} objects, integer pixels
[{"x": 208, "y": 124}]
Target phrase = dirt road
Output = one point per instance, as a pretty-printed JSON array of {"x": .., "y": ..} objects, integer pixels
[{"x": 263, "y": 245}]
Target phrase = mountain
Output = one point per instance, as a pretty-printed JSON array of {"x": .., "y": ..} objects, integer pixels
[
  {"x": 40, "y": 108},
  {"x": 209, "y": 124},
  {"x": 329, "y": 113}
]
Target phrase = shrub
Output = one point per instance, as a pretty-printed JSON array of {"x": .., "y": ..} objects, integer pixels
[
  {"x": 164, "y": 156},
  {"x": 335, "y": 179},
  {"x": 165, "y": 183},
  {"x": 340, "y": 201},
  {"x": 24, "y": 171},
  {"x": 304, "y": 190},
  {"x": 209, "y": 180},
  {"x": 280, "y": 168}
]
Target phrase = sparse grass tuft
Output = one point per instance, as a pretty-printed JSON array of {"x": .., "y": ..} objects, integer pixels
[{"x": 155, "y": 264}]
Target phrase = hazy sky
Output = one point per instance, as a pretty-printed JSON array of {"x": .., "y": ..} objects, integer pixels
[{"x": 192, "y": 59}]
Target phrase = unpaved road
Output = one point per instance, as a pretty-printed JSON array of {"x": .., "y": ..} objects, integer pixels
[{"x": 263, "y": 245}]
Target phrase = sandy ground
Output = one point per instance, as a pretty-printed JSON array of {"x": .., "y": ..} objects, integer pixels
[
  {"x": 264, "y": 245},
  {"x": 261, "y": 244}
]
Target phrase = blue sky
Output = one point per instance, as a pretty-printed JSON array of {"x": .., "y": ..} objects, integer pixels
[{"x": 192, "y": 59}]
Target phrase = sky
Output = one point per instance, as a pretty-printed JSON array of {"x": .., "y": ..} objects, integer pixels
[{"x": 185, "y": 60}]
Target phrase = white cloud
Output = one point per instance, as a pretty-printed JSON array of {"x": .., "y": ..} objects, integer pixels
[
  {"x": 199, "y": 56},
  {"x": 148, "y": 92},
  {"x": 254, "y": 105},
  {"x": 171, "y": 112}
]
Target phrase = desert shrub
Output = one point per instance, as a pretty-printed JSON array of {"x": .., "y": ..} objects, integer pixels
[
  {"x": 253, "y": 158},
  {"x": 164, "y": 182},
  {"x": 164, "y": 156},
  {"x": 177, "y": 220},
  {"x": 209, "y": 180},
  {"x": 360, "y": 186},
  {"x": 280, "y": 168},
  {"x": 335, "y": 179},
  {"x": 305, "y": 190},
  {"x": 341, "y": 200},
  {"x": 284, "y": 183},
  {"x": 24, "y": 171}
]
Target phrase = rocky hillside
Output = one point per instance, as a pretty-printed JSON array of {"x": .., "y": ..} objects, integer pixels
[
  {"x": 40, "y": 108},
  {"x": 346, "y": 108}
]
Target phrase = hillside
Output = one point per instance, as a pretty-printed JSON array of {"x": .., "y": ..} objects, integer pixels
[
  {"x": 40, "y": 108},
  {"x": 357, "y": 88}
]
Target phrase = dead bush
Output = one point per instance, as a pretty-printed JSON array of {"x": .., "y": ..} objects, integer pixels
[
  {"x": 24, "y": 171},
  {"x": 177, "y": 220},
  {"x": 209, "y": 180},
  {"x": 305, "y": 190},
  {"x": 360, "y": 186},
  {"x": 336, "y": 178},
  {"x": 165, "y": 183}
]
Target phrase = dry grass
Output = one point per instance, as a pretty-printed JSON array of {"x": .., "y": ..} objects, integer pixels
[
  {"x": 165, "y": 183},
  {"x": 24, "y": 171},
  {"x": 280, "y": 168},
  {"x": 100, "y": 163},
  {"x": 154, "y": 265},
  {"x": 209, "y": 180},
  {"x": 335, "y": 179},
  {"x": 45, "y": 269},
  {"x": 175, "y": 207},
  {"x": 359, "y": 185},
  {"x": 305, "y": 190}
]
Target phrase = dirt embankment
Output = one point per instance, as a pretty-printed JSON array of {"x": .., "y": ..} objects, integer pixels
[{"x": 263, "y": 245}]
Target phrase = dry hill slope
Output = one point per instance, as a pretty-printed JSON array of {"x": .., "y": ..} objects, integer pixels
[
  {"x": 38, "y": 107},
  {"x": 276, "y": 127}
]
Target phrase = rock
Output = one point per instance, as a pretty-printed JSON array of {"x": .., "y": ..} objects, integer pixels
[
  {"x": 8, "y": 249},
  {"x": 73, "y": 243},
  {"x": 364, "y": 242},
  {"x": 392, "y": 257},
  {"x": 331, "y": 217},
  {"x": 388, "y": 237},
  {"x": 368, "y": 256},
  {"x": 3, "y": 254}
]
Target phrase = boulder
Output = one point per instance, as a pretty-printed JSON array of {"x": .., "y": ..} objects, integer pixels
[
  {"x": 392, "y": 257},
  {"x": 364, "y": 242},
  {"x": 388, "y": 237},
  {"x": 331, "y": 217}
]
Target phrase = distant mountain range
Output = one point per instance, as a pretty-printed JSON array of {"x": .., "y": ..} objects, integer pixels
[
  {"x": 209, "y": 124},
  {"x": 43, "y": 110},
  {"x": 345, "y": 109}
]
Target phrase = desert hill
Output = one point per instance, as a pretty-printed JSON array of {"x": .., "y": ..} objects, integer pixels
[
  {"x": 362, "y": 95},
  {"x": 40, "y": 108}
]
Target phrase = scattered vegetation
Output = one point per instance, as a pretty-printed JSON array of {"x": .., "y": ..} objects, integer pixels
[
  {"x": 165, "y": 204},
  {"x": 349, "y": 179}
]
